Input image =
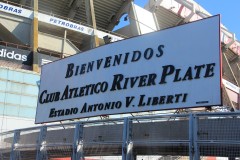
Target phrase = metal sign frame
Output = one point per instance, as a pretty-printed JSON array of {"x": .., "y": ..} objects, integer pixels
[{"x": 173, "y": 68}]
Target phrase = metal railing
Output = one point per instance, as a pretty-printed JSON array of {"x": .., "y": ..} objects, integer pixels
[
  {"x": 14, "y": 45},
  {"x": 185, "y": 136}
]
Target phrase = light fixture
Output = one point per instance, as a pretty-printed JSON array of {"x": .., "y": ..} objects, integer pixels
[{"x": 107, "y": 39}]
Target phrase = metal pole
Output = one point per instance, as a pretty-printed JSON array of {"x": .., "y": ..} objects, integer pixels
[
  {"x": 64, "y": 42},
  {"x": 195, "y": 138},
  {"x": 41, "y": 149},
  {"x": 124, "y": 140},
  {"x": 191, "y": 143},
  {"x": 78, "y": 143},
  {"x": 127, "y": 145},
  {"x": 14, "y": 153}
]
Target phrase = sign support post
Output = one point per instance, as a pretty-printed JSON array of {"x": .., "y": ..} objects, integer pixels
[
  {"x": 127, "y": 145},
  {"x": 41, "y": 148},
  {"x": 78, "y": 142},
  {"x": 14, "y": 153}
]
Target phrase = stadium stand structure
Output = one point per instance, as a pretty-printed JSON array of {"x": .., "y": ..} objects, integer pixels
[{"x": 36, "y": 32}]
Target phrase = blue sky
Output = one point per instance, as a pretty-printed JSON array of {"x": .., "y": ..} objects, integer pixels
[
  {"x": 140, "y": 2},
  {"x": 228, "y": 9}
]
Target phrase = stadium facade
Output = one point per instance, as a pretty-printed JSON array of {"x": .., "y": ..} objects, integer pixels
[
  {"x": 31, "y": 38},
  {"x": 36, "y": 32}
]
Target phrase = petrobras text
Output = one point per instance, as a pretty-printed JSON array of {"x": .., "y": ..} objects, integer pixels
[{"x": 15, "y": 10}]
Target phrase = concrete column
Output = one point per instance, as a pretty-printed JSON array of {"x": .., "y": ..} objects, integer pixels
[
  {"x": 64, "y": 42},
  {"x": 91, "y": 20},
  {"x": 35, "y": 36},
  {"x": 134, "y": 24}
]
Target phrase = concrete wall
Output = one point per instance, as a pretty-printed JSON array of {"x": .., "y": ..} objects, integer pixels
[
  {"x": 125, "y": 31},
  {"x": 20, "y": 27},
  {"x": 57, "y": 44}
]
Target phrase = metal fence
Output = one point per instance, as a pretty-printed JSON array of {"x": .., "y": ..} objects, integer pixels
[{"x": 160, "y": 137}]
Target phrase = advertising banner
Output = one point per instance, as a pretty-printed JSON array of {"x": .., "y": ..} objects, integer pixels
[
  {"x": 8, "y": 8},
  {"x": 16, "y": 55},
  {"x": 25, "y": 57},
  {"x": 74, "y": 26},
  {"x": 173, "y": 68},
  {"x": 45, "y": 59}
]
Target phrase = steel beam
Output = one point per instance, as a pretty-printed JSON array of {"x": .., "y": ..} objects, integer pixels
[
  {"x": 225, "y": 57},
  {"x": 91, "y": 20},
  {"x": 189, "y": 5},
  {"x": 232, "y": 41},
  {"x": 156, "y": 21},
  {"x": 64, "y": 42},
  {"x": 74, "y": 6},
  {"x": 113, "y": 21},
  {"x": 229, "y": 100},
  {"x": 152, "y": 5}
]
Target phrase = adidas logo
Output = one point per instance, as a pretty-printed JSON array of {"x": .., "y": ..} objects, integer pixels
[{"x": 12, "y": 55}]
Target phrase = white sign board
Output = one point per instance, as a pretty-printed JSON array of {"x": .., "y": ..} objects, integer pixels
[{"x": 156, "y": 71}]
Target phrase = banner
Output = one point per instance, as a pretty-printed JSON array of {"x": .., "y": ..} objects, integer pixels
[
  {"x": 156, "y": 71},
  {"x": 45, "y": 59},
  {"x": 4, "y": 7},
  {"x": 16, "y": 55},
  {"x": 54, "y": 21}
]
